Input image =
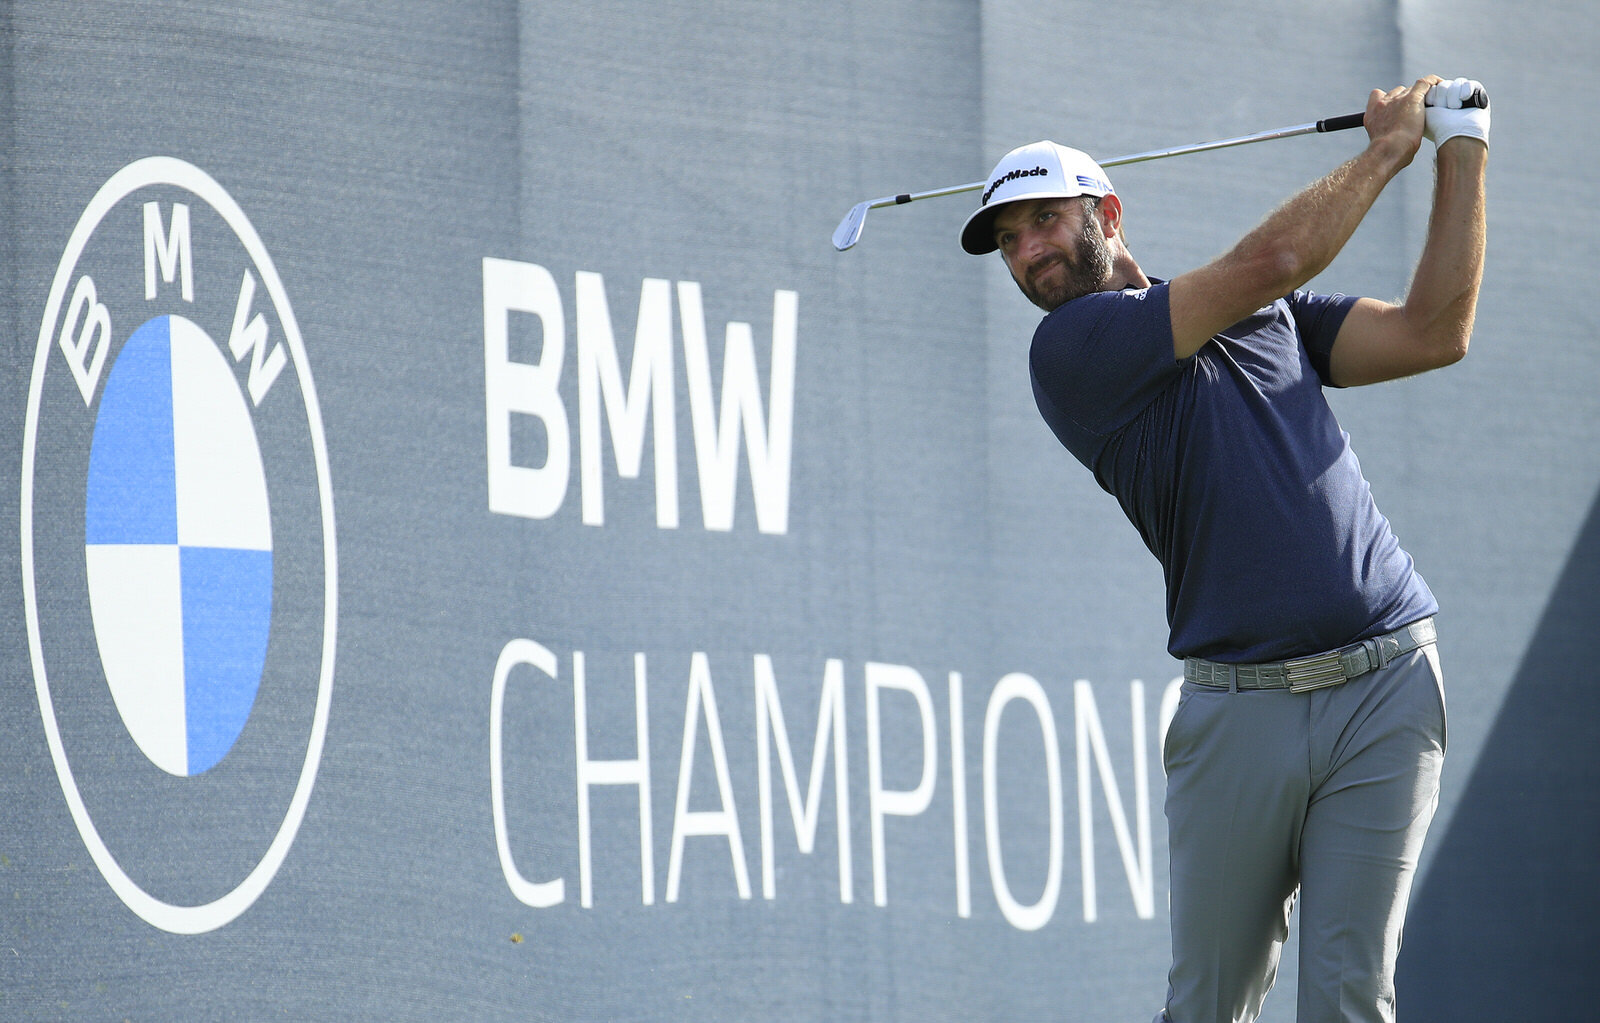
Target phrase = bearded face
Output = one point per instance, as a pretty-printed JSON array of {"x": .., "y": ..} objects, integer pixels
[{"x": 1079, "y": 266}]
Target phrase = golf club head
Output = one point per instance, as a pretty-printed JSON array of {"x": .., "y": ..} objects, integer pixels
[{"x": 849, "y": 230}]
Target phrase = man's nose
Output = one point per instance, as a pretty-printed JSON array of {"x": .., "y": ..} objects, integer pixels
[{"x": 1030, "y": 245}]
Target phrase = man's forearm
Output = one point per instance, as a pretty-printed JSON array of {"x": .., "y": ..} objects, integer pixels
[
  {"x": 1286, "y": 250},
  {"x": 1441, "y": 303},
  {"x": 1305, "y": 234},
  {"x": 1433, "y": 325}
]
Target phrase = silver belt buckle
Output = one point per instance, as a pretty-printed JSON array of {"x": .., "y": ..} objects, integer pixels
[{"x": 1318, "y": 672}]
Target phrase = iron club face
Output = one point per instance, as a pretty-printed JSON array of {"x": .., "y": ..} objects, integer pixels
[{"x": 849, "y": 230}]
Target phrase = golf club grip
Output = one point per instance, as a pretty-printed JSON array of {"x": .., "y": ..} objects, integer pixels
[
  {"x": 1477, "y": 99},
  {"x": 1341, "y": 122}
]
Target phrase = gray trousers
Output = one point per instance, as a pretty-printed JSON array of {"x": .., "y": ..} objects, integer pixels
[{"x": 1328, "y": 793}]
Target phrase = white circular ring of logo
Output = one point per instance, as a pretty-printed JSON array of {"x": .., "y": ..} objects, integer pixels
[{"x": 162, "y": 170}]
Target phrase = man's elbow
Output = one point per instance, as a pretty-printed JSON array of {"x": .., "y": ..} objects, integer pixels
[
  {"x": 1454, "y": 348},
  {"x": 1442, "y": 340},
  {"x": 1263, "y": 267},
  {"x": 1279, "y": 268}
]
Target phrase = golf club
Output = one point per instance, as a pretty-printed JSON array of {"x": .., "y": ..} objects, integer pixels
[{"x": 849, "y": 230}]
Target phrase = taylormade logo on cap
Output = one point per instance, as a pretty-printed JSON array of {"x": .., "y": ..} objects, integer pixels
[
  {"x": 1041, "y": 170},
  {"x": 1012, "y": 176}
]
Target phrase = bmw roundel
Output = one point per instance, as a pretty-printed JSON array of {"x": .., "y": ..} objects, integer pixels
[{"x": 180, "y": 574}]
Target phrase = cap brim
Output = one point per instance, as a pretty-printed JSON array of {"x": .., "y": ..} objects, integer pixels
[{"x": 977, "y": 235}]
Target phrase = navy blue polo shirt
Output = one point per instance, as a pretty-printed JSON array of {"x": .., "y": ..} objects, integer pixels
[{"x": 1234, "y": 470}]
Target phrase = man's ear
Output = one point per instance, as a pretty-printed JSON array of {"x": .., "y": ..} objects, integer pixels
[{"x": 1110, "y": 210}]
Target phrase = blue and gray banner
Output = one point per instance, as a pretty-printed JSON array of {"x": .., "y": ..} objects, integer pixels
[{"x": 480, "y": 553}]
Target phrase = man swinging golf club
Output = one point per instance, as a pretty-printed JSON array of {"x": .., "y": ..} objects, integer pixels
[{"x": 1305, "y": 753}]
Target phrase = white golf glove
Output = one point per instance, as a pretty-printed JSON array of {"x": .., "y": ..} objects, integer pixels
[{"x": 1447, "y": 115}]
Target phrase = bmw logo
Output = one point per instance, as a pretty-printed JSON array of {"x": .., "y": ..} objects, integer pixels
[{"x": 180, "y": 573}]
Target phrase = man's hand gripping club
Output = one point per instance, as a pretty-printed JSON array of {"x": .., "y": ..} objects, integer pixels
[{"x": 1455, "y": 110}]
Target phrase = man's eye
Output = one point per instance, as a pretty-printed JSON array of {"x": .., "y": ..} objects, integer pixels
[{"x": 1046, "y": 215}]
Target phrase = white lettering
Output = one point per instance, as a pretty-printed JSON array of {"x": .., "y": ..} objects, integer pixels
[
  {"x": 958, "y": 796},
  {"x": 541, "y": 894},
  {"x": 515, "y": 388},
  {"x": 171, "y": 249},
  {"x": 764, "y": 429},
  {"x": 1136, "y": 863},
  {"x": 77, "y": 344},
  {"x": 698, "y": 823},
  {"x": 635, "y": 771},
  {"x": 251, "y": 338},
  {"x": 1017, "y": 686},
  {"x": 805, "y": 797},
  {"x": 804, "y": 812},
  {"x": 882, "y": 802},
  {"x": 716, "y": 435},
  {"x": 649, "y": 386}
]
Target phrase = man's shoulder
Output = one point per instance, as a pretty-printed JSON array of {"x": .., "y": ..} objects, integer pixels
[{"x": 1123, "y": 309}]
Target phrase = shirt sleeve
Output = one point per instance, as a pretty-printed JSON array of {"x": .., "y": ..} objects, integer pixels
[
  {"x": 1102, "y": 358},
  {"x": 1319, "y": 318}
]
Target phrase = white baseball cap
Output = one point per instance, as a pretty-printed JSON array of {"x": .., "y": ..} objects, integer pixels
[{"x": 1040, "y": 170}]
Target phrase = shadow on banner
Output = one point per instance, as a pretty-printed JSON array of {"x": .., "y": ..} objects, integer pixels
[{"x": 1507, "y": 924}]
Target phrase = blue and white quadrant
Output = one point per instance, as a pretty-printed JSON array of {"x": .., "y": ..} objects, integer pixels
[{"x": 178, "y": 541}]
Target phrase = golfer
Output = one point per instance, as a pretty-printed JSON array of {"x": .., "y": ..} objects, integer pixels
[{"x": 1304, "y": 756}]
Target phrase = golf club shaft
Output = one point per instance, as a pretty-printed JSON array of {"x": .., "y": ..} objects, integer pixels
[
  {"x": 1326, "y": 124},
  {"x": 849, "y": 230}
]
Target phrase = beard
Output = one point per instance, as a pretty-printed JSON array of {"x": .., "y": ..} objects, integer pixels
[{"x": 1089, "y": 270}]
